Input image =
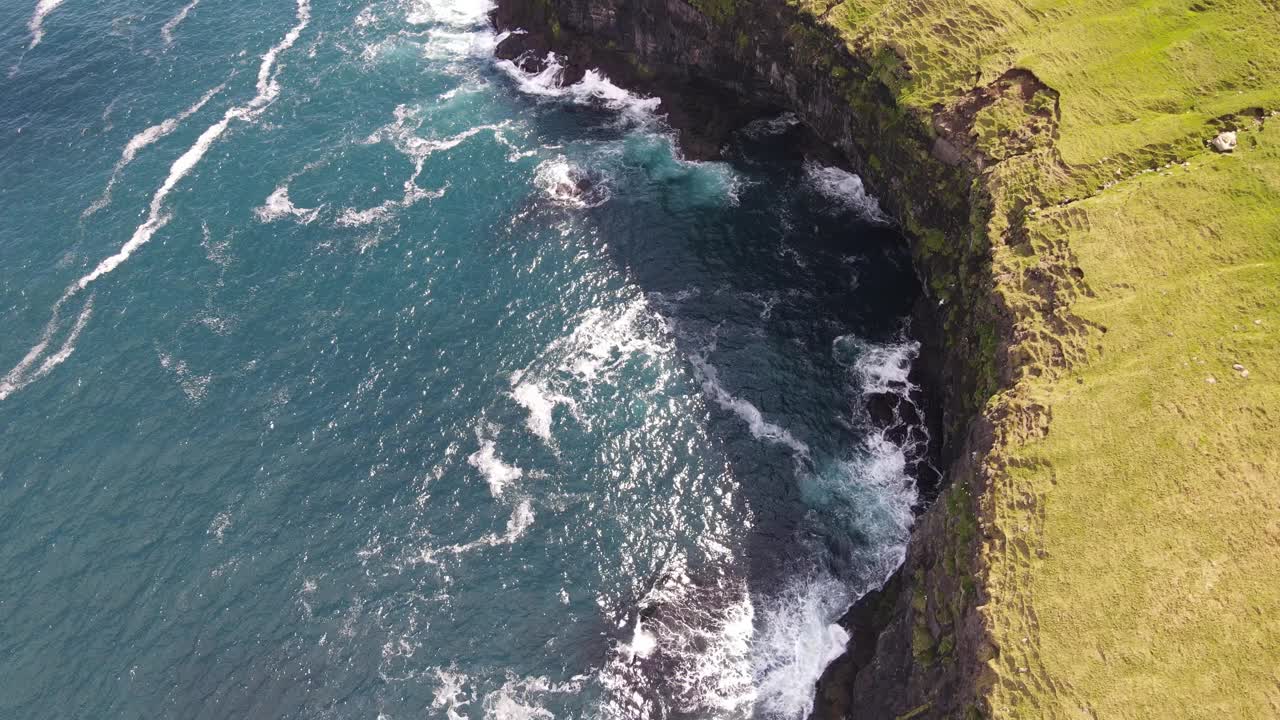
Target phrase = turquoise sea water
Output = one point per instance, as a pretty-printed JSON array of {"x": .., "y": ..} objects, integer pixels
[{"x": 346, "y": 373}]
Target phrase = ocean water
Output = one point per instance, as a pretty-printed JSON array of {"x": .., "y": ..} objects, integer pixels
[{"x": 348, "y": 373}]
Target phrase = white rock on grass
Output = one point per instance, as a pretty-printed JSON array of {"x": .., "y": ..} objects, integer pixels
[{"x": 1225, "y": 142}]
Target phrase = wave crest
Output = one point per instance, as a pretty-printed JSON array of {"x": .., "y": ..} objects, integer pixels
[{"x": 594, "y": 89}]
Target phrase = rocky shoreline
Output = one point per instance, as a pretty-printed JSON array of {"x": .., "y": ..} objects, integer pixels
[
  {"x": 1022, "y": 148},
  {"x": 918, "y": 643}
]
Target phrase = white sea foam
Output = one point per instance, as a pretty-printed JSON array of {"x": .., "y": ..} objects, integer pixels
[
  {"x": 218, "y": 252},
  {"x": 106, "y": 114},
  {"x": 36, "y": 23},
  {"x": 845, "y": 188},
  {"x": 450, "y": 695},
  {"x": 401, "y": 133},
  {"x": 879, "y": 368},
  {"x": 193, "y": 385},
  {"x": 406, "y": 120},
  {"x": 166, "y": 32},
  {"x": 566, "y": 184},
  {"x": 521, "y": 519},
  {"x": 760, "y": 428},
  {"x": 366, "y": 17},
  {"x": 541, "y": 404},
  {"x": 516, "y": 152},
  {"x": 521, "y": 698},
  {"x": 268, "y": 86},
  {"x": 797, "y": 638},
  {"x": 398, "y": 46},
  {"x": 23, "y": 373},
  {"x": 218, "y": 528},
  {"x": 268, "y": 89},
  {"x": 458, "y": 91},
  {"x": 642, "y": 642},
  {"x": 459, "y": 13},
  {"x": 143, "y": 139},
  {"x": 352, "y": 217},
  {"x": 593, "y": 89},
  {"x": 496, "y": 472},
  {"x": 455, "y": 44},
  {"x": 880, "y": 501},
  {"x": 696, "y": 645},
  {"x": 719, "y": 675},
  {"x": 278, "y": 206},
  {"x": 606, "y": 338}
]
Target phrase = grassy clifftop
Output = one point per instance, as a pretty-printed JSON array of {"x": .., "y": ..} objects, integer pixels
[{"x": 1129, "y": 511}]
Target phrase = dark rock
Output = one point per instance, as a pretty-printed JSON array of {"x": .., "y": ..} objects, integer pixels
[{"x": 883, "y": 409}]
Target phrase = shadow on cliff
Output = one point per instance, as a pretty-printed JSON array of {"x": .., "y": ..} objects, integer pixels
[
  {"x": 762, "y": 275},
  {"x": 773, "y": 282}
]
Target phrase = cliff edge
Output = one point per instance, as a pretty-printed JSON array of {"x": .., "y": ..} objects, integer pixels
[{"x": 1092, "y": 192}]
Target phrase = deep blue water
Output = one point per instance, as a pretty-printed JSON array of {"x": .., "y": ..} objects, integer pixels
[{"x": 346, "y": 373}]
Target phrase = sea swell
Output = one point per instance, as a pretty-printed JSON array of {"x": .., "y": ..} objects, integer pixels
[{"x": 462, "y": 390}]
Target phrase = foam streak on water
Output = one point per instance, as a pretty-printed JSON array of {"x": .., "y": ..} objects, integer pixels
[
  {"x": 166, "y": 31},
  {"x": 268, "y": 89},
  {"x": 760, "y": 428},
  {"x": 36, "y": 23},
  {"x": 140, "y": 141}
]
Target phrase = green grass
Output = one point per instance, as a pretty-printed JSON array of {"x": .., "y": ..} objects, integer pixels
[
  {"x": 721, "y": 11},
  {"x": 1132, "y": 74},
  {"x": 1159, "y": 592},
  {"x": 1131, "y": 524}
]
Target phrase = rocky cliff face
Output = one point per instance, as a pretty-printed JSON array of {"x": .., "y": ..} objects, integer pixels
[{"x": 919, "y": 648}]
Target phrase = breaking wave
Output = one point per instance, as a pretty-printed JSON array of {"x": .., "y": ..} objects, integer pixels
[
  {"x": 594, "y": 89},
  {"x": 798, "y": 638},
  {"x": 760, "y": 428},
  {"x": 540, "y": 403},
  {"x": 879, "y": 368},
  {"x": 463, "y": 13},
  {"x": 689, "y": 652},
  {"x": 764, "y": 127},
  {"x": 498, "y": 474},
  {"x": 278, "y": 206},
  {"x": 568, "y": 185}
]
